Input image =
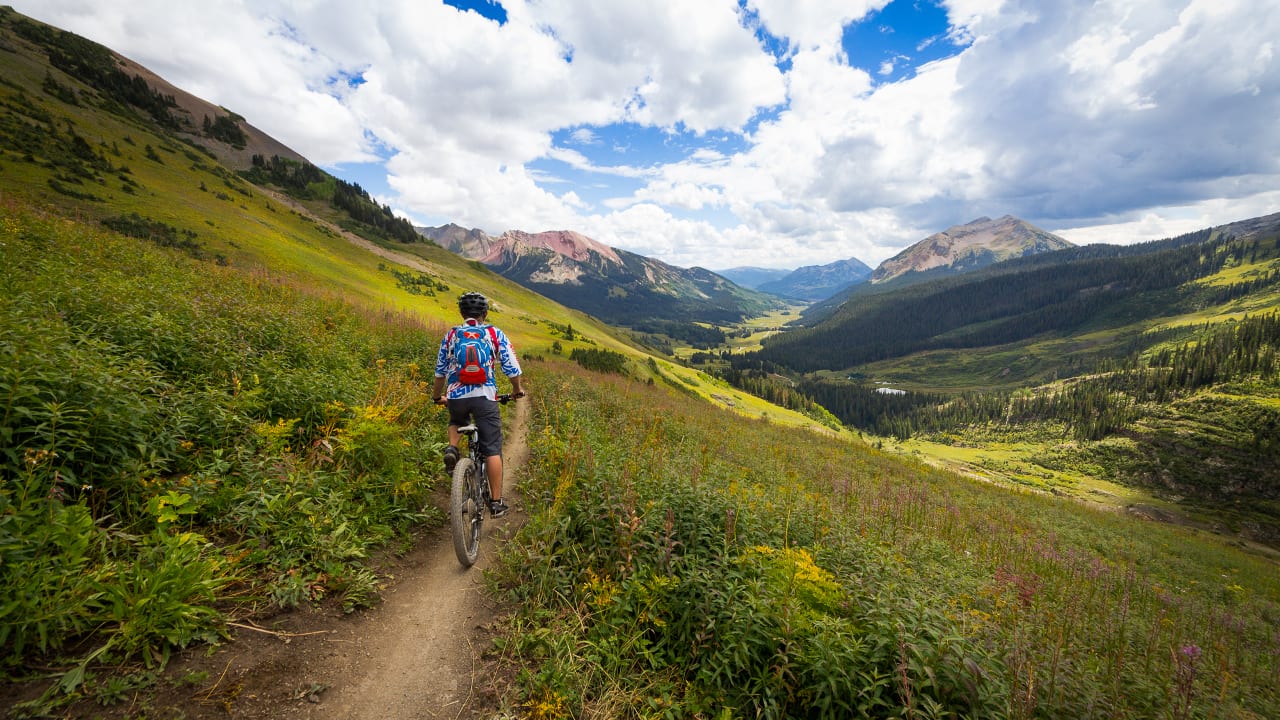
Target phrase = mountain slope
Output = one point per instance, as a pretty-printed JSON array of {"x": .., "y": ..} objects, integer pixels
[
  {"x": 116, "y": 83},
  {"x": 812, "y": 283},
  {"x": 753, "y": 277},
  {"x": 967, "y": 247},
  {"x": 1092, "y": 288},
  {"x": 215, "y": 415},
  {"x": 617, "y": 286}
]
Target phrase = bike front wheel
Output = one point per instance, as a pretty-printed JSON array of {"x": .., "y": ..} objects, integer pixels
[{"x": 465, "y": 513}]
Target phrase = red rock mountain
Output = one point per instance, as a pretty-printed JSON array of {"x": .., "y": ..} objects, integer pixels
[
  {"x": 969, "y": 247},
  {"x": 615, "y": 285}
]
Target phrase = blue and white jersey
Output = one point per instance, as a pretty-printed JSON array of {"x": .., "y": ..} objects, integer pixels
[{"x": 447, "y": 365}]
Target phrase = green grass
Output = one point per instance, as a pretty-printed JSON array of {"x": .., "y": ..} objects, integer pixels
[
  {"x": 181, "y": 439},
  {"x": 682, "y": 563},
  {"x": 245, "y": 431}
]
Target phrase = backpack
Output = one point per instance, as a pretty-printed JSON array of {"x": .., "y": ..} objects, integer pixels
[{"x": 473, "y": 354}]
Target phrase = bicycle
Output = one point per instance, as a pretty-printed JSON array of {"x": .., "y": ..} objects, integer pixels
[{"x": 470, "y": 495}]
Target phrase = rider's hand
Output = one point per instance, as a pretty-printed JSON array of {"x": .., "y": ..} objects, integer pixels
[{"x": 439, "y": 399}]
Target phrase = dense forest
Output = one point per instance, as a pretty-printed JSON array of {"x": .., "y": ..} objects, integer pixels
[
  {"x": 702, "y": 337},
  {"x": 1093, "y": 406},
  {"x": 1018, "y": 300},
  {"x": 305, "y": 181}
]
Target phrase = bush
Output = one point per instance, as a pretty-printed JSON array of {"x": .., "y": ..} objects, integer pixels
[
  {"x": 682, "y": 562},
  {"x": 149, "y": 401}
]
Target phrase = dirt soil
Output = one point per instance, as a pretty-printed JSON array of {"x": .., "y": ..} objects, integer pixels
[{"x": 419, "y": 654}]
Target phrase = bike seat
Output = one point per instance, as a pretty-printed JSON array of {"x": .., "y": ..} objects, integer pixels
[{"x": 468, "y": 428}]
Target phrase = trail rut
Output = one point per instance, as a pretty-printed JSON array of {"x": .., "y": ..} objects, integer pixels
[{"x": 415, "y": 656}]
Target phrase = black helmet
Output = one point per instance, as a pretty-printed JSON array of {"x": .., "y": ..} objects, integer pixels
[{"x": 473, "y": 305}]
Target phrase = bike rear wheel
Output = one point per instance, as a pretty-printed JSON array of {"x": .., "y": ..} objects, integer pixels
[{"x": 466, "y": 516}]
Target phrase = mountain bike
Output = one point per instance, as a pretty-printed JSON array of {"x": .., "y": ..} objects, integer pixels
[{"x": 470, "y": 495}]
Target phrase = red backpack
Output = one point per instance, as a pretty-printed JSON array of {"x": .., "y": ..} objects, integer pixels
[{"x": 475, "y": 353}]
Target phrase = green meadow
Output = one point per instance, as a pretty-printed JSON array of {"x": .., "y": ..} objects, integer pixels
[
  {"x": 214, "y": 406},
  {"x": 681, "y": 563},
  {"x": 203, "y": 440}
]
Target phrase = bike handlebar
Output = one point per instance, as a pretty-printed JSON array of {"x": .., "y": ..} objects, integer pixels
[{"x": 504, "y": 398}]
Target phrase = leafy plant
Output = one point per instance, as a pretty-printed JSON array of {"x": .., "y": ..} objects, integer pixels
[
  {"x": 165, "y": 438},
  {"x": 688, "y": 563}
]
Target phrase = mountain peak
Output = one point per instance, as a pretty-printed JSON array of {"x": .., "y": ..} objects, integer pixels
[
  {"x": 568, "y": 243},
  {"x": 812, "y": 283},
  {"x": 970, "y": 246}
]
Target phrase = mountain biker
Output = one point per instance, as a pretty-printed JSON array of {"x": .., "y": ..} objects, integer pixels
[{"x": 477, "y": 402}]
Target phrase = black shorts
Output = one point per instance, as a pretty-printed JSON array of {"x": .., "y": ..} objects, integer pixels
[{"x": 488, "y": 419}]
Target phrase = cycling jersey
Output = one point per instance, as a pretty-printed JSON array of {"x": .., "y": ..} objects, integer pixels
[{"x": 447, "y": 367}]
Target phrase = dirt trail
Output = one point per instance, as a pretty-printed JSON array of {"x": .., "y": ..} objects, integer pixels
[{"x": 416, "y": 656}]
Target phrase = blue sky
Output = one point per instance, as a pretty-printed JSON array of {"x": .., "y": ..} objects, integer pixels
[{"x": 724, "y": 133}]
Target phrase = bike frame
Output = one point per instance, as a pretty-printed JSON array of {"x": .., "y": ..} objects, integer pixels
[{"x": 470, "y": 495}]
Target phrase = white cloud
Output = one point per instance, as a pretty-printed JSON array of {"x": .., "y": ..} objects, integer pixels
[
  {"x": 1166, "y": 222},
  {"x": 1121, "y": 118},
  {"x": 663, "y": 62},
  {"x": 584, "y": 136},
  {"x": 1145, "y": 103},
  {"x": 812, "y": 24}
]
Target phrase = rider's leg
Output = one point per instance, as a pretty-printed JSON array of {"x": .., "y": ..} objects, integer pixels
[
  {"x": 489, "y": 422},
  {"x": 451, "y": 452},
  {"x": 493, "y": 466}
]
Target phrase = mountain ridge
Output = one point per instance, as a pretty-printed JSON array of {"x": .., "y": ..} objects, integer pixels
[
  {"x": 753, "y": 277},
  {"x": 970, "y": 246},
  {"x": 615, "y": 285},
  {"x": 812, "y": 283}
]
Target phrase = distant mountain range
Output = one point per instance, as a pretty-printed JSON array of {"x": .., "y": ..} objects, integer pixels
[
  {"x": 818, "y": 282},
  {"x": 955, "y": 250},
  {"x": 614, "y": 285},
  {"x": 593, "y": 277},
  {"x": 754, "y": 277}
]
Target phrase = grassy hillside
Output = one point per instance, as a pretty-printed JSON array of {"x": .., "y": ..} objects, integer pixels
[
  {"x": 1147, "y": 367},
  {"x": 686, "y": 564},
  {"x": 212, "y": 407}
]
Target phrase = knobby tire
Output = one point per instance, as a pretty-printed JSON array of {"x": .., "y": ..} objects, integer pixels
[{"x": 465, "y": 513}]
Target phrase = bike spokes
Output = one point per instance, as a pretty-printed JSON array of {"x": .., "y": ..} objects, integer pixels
[{"x": 466, "y": 513}]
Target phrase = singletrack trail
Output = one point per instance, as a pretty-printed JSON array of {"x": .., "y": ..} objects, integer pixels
[
  {"x": 415, "y": 656},
  {"x": 418, "y": 654}
]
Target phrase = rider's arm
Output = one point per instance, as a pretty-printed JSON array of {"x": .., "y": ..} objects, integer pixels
[
  {"x": 510, "y": 364},
  {"x": 442, "y": 368}
]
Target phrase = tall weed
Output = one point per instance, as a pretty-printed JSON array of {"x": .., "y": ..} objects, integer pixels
[
  {"x": 707, "y": 563},
  {"x": 171, "y": 428}
]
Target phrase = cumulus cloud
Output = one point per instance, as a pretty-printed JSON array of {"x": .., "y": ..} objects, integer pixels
[
  {"x": 1085, "y": 111},
  {"x": 1114, "y": 119},
  {"x": 813, "y": 24}
]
